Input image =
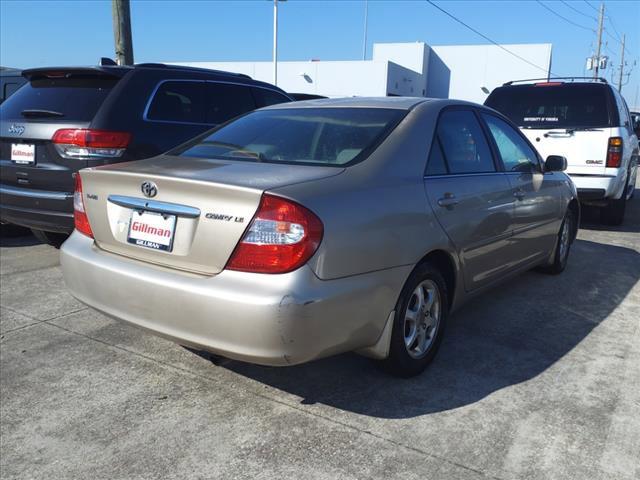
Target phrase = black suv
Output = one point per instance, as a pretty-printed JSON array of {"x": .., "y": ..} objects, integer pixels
[{"x": 65, "y": 119}]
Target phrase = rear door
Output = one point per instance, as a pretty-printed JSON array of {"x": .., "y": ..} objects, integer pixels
[
  {"x": 537, "y": 212},
  {"x": 471, "y": 198},
  {"x": 574, "y": 120},
  {"x": 29, "y": 118}
]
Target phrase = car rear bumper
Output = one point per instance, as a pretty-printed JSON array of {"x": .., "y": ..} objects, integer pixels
[
  {"x": 267, "y": 319},
  {"x": 598, "y": 187},
  {"x": 39, "y": 209}
]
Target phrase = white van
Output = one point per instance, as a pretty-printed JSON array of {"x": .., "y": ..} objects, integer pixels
[{"x": 586, "y": 121}]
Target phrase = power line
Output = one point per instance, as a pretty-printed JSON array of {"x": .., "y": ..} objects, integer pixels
[
  {"x": 594, "y": 8},
  {"x": 618, "y": 39},
  {"x": 453, "y": 17},
  {"x": 565, "y": 18},
  {"x": 578, "y": 11}
]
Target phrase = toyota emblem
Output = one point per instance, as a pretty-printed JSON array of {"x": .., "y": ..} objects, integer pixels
[{"x": 149, "y": 189}]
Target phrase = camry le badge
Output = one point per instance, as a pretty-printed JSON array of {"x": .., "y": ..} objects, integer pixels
[
  {"x": 149, "y": 189},
  {"x": 16, "y": 129}
]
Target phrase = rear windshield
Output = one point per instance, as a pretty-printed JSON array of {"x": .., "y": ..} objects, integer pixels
[
  {"x": 315, "y": 136},
  {"x": 561, "y": 106},
  {"x": 74, "y": 98}
]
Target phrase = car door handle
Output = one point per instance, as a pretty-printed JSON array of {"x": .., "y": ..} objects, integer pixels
[
  {"x": 519, "y": 194},
  {"x": 448, "y": 201}
]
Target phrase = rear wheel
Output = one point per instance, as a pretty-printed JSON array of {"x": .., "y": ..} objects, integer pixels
[
  {"x": 419, "y": 322},
  {"x": 613, "y": 213},
  {"x": 51, "y": 238}
]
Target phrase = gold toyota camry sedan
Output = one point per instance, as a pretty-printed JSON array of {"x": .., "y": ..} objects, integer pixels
[{"x": 309, "y": 229}]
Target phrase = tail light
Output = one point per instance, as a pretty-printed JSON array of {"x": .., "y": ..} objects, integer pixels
[
  {"x": 614, "y": 152},
  {"x": 80, "y": 218},
  {"x": 84, "y": 143},
  {"x": 282, "y": 237}
]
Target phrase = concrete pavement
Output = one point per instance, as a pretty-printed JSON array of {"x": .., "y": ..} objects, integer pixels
[{"x": 538, "y": 379}]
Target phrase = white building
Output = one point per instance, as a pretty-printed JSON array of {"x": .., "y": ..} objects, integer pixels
[{"x": 407, "y": 69}]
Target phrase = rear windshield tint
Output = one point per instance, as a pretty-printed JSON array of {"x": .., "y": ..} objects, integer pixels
[
  {"x": 562, "y": 106},
  {"x": 74, "y": 98},
  {"x": 314, "y": 136}
]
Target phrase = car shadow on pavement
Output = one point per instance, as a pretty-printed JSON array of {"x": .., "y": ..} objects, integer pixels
[
  {"x": 19, "y": 241},
  {"x": 507, "y": 336}
]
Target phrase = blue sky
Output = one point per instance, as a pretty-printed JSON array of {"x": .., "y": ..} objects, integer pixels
[{"x": 38, "y": 33}]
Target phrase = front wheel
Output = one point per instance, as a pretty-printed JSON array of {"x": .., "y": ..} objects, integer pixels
[{"x": 418, "y": 327}]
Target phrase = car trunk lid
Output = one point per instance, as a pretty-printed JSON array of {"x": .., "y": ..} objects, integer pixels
[{"x": 198, "y": 211}]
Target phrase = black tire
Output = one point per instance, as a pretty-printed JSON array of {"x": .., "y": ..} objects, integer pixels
[
  {"x": 51, "y": 238},
  {"x": 8, "y": 230},
  {"x": 400, "y": 362},
  {"x": 613, "y": 213},
  {"x": 561, "y": 257}
]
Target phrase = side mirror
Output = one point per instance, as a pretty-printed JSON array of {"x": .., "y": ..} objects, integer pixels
[{"x": 555, "y": 163}]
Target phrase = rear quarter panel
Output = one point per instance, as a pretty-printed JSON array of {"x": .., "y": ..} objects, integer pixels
[{"x": 376, "y": 215}]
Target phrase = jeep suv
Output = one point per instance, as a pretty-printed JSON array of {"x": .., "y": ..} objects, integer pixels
[
  {"x": 65, "y": 119},
  {"x": 587, "y": 122}
]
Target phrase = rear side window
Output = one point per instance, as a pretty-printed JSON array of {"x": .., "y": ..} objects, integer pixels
[
  {"x": 265, "y": 97},
  {"x": 9, "y": 89},
  {"x": 74, "y": 98},
  {"x": 553, "y": 106},
  {"x": 226, "y": 101},
  {"x": 516, "y": 154},
  {"x": 178, "y": 101},
  {"x": 464, "y": 145},
  {"x": 436, "y": 165},
  {"x": 314, "y": 136}
]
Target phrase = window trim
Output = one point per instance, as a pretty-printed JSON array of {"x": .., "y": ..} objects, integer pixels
[
  {"x": 497, "y": 165},
  {"x": 145, "y": 113}
]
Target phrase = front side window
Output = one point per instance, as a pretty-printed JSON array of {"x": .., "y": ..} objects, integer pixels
[
  {"x": 316, "y": 136},
  {"x": 463, "y": 143},
  {"x": 178, "y": 101},
  {"x": 517, "y": 155}
]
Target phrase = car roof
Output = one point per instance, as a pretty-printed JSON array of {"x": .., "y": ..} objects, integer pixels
[
  {"x": 400, "y": 103},
  {"x": 121, "y": 70}
]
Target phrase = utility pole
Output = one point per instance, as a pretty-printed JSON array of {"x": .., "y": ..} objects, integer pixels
[
  {"x": 600, "y": 24},
  {"x": 122, "y": 31},
  {"x": 621, "y": 64},
  {"x": 275, "y": 42},
  {"x": 364, "y": 40}
]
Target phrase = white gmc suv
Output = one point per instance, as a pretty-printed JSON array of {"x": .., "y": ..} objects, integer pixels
[{"x": 586, "y": 121}]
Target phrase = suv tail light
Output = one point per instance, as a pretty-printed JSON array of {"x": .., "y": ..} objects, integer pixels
[
  {"x": 283, "y": 235},
  {"x": 614, "y": 152},
  {"x": 84, "y": 143},
  {"x": 80, "y": 218}
]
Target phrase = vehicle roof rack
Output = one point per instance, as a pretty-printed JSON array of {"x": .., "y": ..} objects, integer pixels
[
  {"x": 551, "y": 79},
  {"x": 192, "y": 69}
]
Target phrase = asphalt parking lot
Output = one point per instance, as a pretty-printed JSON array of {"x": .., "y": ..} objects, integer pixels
[{"x": 539, "y": 379}]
